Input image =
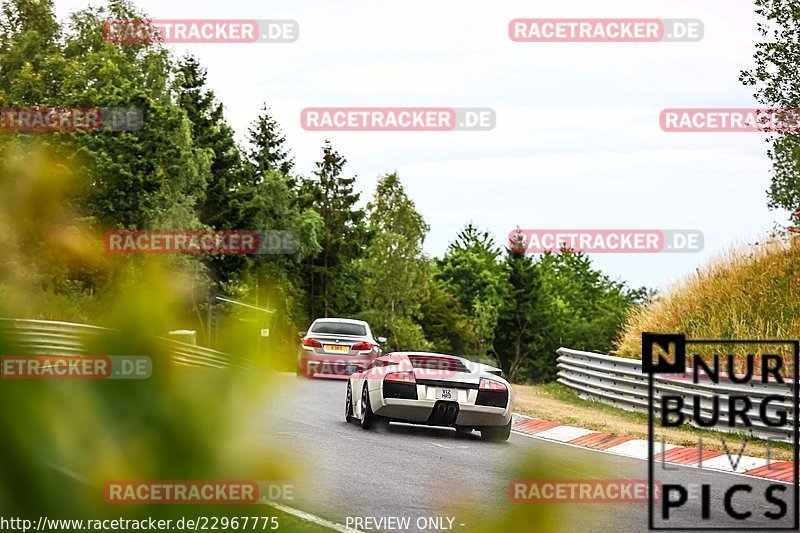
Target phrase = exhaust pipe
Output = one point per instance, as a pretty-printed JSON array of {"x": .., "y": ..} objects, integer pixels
[
  {"x": 452, "y": 413},
  {"x": 444, "y": 413}
]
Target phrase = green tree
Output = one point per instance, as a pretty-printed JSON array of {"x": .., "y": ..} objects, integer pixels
[
  {"x": 220, "y": 206},
  {"x": 31, "y": 58},
  {"x": 777, "y": 82},
  {"x": 269, "y": 203},
  {"x": 443, "y": 320},
  {"x": 148, "y": 178},
  {"x": 334, "y": 198},
  {"x": 471, "y": 270},
  {"x": 395, "y": 265},
  {"x": 271, "y": 154},
  {"x": 585, "y": 308},
  {"x": 522, "y": 318}
]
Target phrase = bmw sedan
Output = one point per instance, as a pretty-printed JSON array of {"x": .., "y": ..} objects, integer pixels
[{"x": 332, "y": 345}]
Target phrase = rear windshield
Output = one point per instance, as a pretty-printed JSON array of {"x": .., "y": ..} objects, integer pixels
[{"x": 339, "y": 328}]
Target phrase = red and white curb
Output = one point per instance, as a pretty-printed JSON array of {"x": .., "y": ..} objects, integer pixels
[{"x": 781, "y": 471}]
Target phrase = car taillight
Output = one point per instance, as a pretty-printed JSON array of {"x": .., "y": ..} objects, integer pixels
[
  {"x": 400, "y": 385},
  {"x": 361, "y": 346},
  {"x": 401, "y": 377},
  {"x": 492, "y": 385},
  {"x": 313, "y": 343}
]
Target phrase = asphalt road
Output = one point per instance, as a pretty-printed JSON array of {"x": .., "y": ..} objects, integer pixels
[{"x": 419, "y": 472}]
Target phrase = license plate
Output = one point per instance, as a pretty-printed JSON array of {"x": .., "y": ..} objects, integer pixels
[
  {"x": 446, "y": 394},
  {"x": 334, "y": 348}
]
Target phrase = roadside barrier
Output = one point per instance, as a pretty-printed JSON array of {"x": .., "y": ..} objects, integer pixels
[
  {"x": 45, "y": 337},
  {"x": 620, "y": 382}
]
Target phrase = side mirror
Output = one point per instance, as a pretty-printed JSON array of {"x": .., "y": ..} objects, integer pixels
[
  {"x": 381, "y": 340},
  {"x": 354, "y": 368},
  {"x": 302, "y": 334}
]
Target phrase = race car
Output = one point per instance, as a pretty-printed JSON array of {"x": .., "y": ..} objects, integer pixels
[
  {"x": 331, "y": 345},
  {"x": 432, "y": 389}
]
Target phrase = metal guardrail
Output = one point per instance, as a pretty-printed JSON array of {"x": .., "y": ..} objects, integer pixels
[
  {"x": 620, "y": 382},
  {"x": 44, "y": 337}
]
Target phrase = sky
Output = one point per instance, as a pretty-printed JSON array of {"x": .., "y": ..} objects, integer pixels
[{"x": 577, "y": 142}]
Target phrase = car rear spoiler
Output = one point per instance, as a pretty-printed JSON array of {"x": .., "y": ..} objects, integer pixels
[{"x": 494, "y": 370}]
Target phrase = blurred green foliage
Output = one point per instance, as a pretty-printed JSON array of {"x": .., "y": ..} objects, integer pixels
[{"x": 63, "y": 440}]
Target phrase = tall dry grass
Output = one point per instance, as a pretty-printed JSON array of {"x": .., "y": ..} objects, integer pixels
[{"x": 750, "y": 292}]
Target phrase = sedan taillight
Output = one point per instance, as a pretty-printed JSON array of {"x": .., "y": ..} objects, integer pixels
[
  {"x": 492, "y": 385},
  {"x": 362, "y": 346},
  {"x": 313, "y": 343},
  {"x": 401, "y": 377}
]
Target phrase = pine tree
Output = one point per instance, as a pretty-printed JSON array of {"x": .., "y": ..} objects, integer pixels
[
  {"x": 334, "y": 198},
  {"x": 268, "y": 140},
  {"x": 221, "y": 206},
  {"x": 521, "y": 320}
]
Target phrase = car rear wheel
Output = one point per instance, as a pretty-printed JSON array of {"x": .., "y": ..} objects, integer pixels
[
  {"x": 348, "y": 408},
  {"x": 366, "y": 410},
  {"x": 496, "y": 433}
]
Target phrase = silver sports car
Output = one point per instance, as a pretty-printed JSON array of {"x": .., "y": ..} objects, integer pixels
[{"x": 432, "y": 389}]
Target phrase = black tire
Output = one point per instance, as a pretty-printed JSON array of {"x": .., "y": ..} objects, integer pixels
[
  {"x": 366, "y": 410},
  {"x": 496, "y": 433},
  {"x": 348, "y": 408}
]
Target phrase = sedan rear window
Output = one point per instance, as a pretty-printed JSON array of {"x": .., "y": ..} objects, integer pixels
[{"x": 339, "y": 328}]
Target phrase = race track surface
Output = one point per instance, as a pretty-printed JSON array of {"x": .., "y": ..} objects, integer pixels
[{"x": 418, "y": 472}]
